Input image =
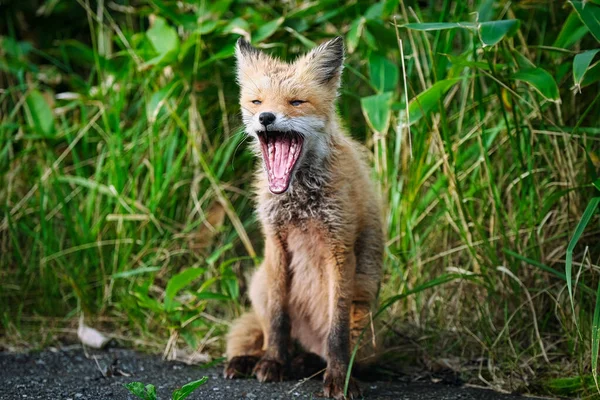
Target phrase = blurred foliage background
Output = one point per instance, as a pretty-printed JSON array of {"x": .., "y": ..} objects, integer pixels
[{"x": 125, "y": 184}]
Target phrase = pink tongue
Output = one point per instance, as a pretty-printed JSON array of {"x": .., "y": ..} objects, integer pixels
[
  {"x": 281, "y": 161},
  {"x": 282, "y": 150}
]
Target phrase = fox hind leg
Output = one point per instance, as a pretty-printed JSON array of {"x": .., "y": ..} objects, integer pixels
[
  {"x": 361, "y": 324},
  {"x": 244, "y": 346}
]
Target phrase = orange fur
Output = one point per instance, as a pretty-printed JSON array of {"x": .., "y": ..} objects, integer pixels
[{"x": 320, "y": 276}]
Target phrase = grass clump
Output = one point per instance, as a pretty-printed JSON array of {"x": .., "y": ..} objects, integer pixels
[{"x": 125, "y": 184}]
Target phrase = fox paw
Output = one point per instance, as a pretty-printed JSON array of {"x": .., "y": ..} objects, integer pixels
[
  {"x": 267, "y": 370},
  {"x": 240, "y": 367},
  {"x": 333, "y": 387}
]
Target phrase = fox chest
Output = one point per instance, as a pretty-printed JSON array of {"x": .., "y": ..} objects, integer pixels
[
  {"x": 299, "y": 209},
  {"x": 309, "y": 290}
]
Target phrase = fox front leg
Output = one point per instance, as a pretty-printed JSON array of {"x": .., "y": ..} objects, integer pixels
[
  {"x": 341, "y": 270},
  {"x": 273, "y": 366}
]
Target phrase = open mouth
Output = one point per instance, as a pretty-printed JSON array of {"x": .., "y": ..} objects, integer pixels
[{"x": 281, "y": 151}]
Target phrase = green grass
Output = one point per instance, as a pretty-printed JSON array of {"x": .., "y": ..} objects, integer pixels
[{"x": 125, "y": 183}]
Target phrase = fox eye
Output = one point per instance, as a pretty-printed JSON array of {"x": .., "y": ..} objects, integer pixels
[
  {"x": 296, "y": 103},
  {"x": 257, "y": 102}
]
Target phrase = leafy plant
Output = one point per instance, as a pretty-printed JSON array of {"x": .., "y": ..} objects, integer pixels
[
  {"x": 144, "y": 392},
  {"x": 148, "y": 392}
]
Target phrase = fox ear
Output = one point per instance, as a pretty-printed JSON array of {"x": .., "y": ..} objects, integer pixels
[
  {"x": 246, "y": 54},
  {"x": 326, "y": 61}
]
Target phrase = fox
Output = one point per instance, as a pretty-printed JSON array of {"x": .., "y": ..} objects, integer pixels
[{"x": 321, "y": 218}]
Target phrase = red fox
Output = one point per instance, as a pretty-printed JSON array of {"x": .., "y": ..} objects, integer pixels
[{"x": 321, "y": 218}]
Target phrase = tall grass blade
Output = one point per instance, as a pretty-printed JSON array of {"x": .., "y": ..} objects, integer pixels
[
  {"x": 596, "y": 339},
  {"x": 585, "y": 219}
]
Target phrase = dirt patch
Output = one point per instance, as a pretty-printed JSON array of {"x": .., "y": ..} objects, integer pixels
[{"x": 70, "y": 374}]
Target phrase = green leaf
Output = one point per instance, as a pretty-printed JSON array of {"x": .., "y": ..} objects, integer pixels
[
  {"x": 230, "y": 282},
  {"x": 589, "y": 15},
  {"x": 237, "y": 25},
  {"x": 218, "y": 8},
  {"x": 145, "y": 301},
  {"x": 377, "y": 111},
  {"x": 133, "y": 272},
  {"x": 571, "y": 32},
  {"x": 178, "y": 282},
  {"x": 189, "y": 46},
  {"x": 464, "y": 60},
  {"x": 15, "y": 48},
  {"x": 158, "y": 100},
  {"x": 188, "y": 388},
  {"x": 428, "y": 100},
  {"x": 189, "y": 337},
  {"x": 592, "y": 75},
  {"x": 323, "y": 18},
  {"x": 485, "y": 10},
  {"x": 581, "y": 62},
  {"x": 138, "y": 389},
  {"x": 309, "y": 44},
  {"x": 354, "y": 34},
  {"x": 265, "y": 31},
  {"x": 384, "y": 73},
  {"x": 42, "y": 119},
  {"x": 304, "y": 10},
  {"x": 438, "y": 26},
  {"x": 369, "y": 39},
  {"x": 384, "y": 36},
  {"x": 163, "y": 37},
  {"x": 522, "y": 61},
  {"x": 492, "y": 32},
  {"x": 164, "y": 40},
  {"x": 210, "y": 260},
  {"x": 540, "y": 80},
  {"x": 375, "y": 11},
  {"x": 389, "y": 7},
  {"x": 226, "y": 52},
  {"x": 207, "y": 26},
  {"x": 150, "y": 392}
]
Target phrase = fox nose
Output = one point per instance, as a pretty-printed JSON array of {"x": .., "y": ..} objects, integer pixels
[{"x": 266, "y": 118}]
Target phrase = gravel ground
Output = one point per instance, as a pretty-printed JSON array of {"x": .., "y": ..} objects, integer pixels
[{"x": 69, "y": 374}]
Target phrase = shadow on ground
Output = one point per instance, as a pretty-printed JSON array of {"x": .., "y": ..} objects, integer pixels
[{"x": 70, "y": 374}]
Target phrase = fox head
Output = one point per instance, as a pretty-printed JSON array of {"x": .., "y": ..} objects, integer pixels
[{"x": 288, "y": 107}]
